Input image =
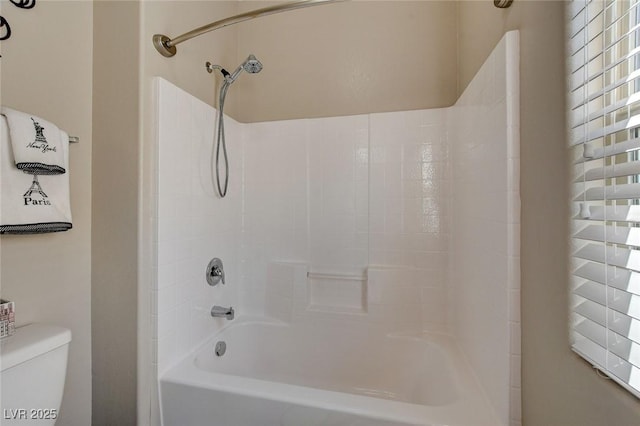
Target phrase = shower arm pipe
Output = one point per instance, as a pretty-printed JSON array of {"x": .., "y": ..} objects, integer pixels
[{"x": 167, "y": 46}]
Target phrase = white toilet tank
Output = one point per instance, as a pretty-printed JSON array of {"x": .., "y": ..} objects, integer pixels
[{"x": 34, "y": 364}]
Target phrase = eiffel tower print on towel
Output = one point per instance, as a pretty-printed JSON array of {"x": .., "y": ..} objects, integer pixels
[
  {"x": 35, "y": 196},
  {"x": 40, "y": 142}
]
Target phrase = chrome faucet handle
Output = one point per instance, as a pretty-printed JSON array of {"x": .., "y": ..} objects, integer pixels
[
  {"x": 218, "y": 272},
  {"x": 215, "y": 272}
]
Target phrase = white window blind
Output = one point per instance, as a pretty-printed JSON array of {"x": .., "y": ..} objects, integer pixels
[{"x": 604, "y": 138}]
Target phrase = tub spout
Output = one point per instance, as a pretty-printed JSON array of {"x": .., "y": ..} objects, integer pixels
[{"x": 222, "y": 312}]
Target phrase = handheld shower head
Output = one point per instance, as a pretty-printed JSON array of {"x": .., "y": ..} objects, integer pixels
[{"x": 250, "y": 65}]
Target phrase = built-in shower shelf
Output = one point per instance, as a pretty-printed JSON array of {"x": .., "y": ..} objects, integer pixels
[
  {"x": 337, "y": 292},
  {"x": 336, "y": 276}
]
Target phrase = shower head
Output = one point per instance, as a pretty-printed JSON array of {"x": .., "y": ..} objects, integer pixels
[{"x": 250, "y": 65}]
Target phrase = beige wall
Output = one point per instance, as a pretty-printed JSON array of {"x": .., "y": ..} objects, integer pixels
[
  {"x": 559, "y": 389},
  {"x": 347, "y": 58},
  {"x": 46, "y": 70},
  {"x": 187, "y": 68},
  {"x": 114, "y": 211}
]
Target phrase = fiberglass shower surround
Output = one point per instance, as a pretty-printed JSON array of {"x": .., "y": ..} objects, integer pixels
[
  {"x": 252, "y": 66},
  {"x": 333, "y": 224}
]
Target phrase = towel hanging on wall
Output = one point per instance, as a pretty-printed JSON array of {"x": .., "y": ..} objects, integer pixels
[
  {"x": 31, "y": 203},
  {"x": 37, "y": 144}
]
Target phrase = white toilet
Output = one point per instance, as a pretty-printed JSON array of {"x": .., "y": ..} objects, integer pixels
[{"x": 34, "y": 364}]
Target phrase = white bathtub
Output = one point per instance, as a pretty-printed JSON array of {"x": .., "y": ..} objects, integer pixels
[{"x": 276, "y": 374}]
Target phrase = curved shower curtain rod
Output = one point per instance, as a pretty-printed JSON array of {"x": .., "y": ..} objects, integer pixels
[{"x": 167, "y": 46}]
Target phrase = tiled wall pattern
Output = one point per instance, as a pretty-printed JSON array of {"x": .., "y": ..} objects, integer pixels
[
  {"x": 338, "y": 194},
  {"x": 485, "y": 278},
  {"x": 409, "y": 214},
  {"x": 349, "y": 219},
  {"x": 362, "y": 202},
  {"x": 194, "y": 225},
  {"x": 305, "y": 199},
  {"x": 275, "y": 204}
]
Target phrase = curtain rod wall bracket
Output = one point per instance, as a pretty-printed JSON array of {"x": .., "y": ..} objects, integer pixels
[
  {"x": 502, "y": 4},
  {"x": 162, "y": 44},
  {"x": 167, "y": 46}
]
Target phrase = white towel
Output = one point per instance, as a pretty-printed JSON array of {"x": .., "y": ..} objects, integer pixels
[
  {"x": 38, "y": 145},
  {"x": 31, "y": 203}
]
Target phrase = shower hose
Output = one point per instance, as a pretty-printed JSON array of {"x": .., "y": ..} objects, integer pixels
[{"x": 222, "y": 190}]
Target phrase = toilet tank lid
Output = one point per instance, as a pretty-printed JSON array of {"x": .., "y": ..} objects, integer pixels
[{"x": 31, "y": 341}]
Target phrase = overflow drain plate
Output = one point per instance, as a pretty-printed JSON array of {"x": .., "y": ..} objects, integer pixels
[{"x": 221, "y": 348}]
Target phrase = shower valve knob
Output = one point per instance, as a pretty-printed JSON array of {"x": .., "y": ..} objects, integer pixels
[{"x": 215, "y": 272}]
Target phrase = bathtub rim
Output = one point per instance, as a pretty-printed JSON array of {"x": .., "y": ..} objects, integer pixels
[
  {"x": 413, "y": 338},
  {"x": 472, "y": 406}
]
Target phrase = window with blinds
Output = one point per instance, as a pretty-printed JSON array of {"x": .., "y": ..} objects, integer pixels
[{"x": 604, "y": 138}]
